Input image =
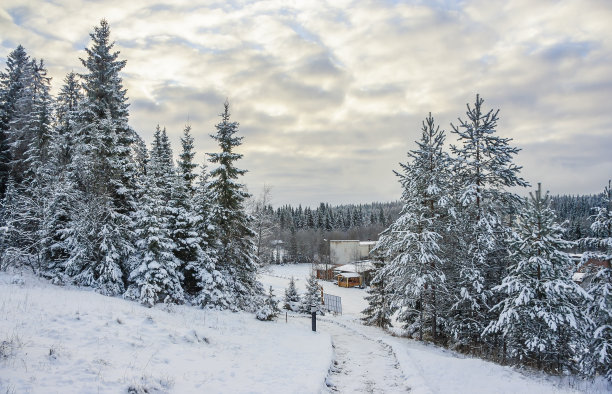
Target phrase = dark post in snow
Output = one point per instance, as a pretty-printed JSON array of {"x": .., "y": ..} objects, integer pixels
[{"x": 313, "y": 311}]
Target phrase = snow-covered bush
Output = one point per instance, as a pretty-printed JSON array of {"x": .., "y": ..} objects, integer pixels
[
  {"x": 292, "y": 298},
  {"x": 269, "y": 308},
  {"x": 312, "y": 297}
]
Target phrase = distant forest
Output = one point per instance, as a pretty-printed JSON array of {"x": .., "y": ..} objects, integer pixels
[
  {"x": 303, "y": 231},
  {"x": 297, "y": 234}
]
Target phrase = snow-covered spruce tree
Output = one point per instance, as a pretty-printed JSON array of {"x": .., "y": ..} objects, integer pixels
[
  {"x": 235, "y": 257},
  {"x": 483, "y": 170},
  {"x": 101, "y": 239},
  {"x": 540, "y": 315},
  {"x": 66, "y": 114},
  {"x": 31, "y": 132},
  {"x": 379, "y": 310},
  {"x": 214, "y": 288},
  {"x": 105, "y": 170},
  {"x": 62, "y": 191},
  {"x": 155, "y": 275},
  {"x": 183, "y": 221},
  {"x": 12, "y": 86},
  {"x": 598, "y": 359},
  {"x": 186, "y": 166},
  {"x": 292, "y": 298},
  {"x": 269, "y": 308},
  {"x": 312, "y": 297},
  {"x": 413, "y": 273},
  {"x": 10, "y": 228}
]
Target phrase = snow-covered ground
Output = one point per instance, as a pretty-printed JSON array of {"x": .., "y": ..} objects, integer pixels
[
  {"x": 69, "y": 340},
  {"x": 424, "y": 368},
  {"x": 66, "y": 340}
]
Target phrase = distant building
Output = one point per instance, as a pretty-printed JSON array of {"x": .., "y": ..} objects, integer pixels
[
  {"x": 586, "y": 269},
  {"x": 345, "y": 251},
  {"x": 356, "y": 274}
]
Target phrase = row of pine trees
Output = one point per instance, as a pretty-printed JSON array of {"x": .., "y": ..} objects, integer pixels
[
  {"x": 472, "y": 266},
  {"x": 84, "y": 201}
]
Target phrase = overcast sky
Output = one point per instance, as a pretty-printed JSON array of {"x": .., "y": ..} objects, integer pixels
[{"x": 330, "y": 95}]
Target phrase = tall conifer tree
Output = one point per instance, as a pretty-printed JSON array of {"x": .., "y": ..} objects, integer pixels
[
  {"x": 411, "y": 247},
  {"x": 235, "y": 255},
  {"x": 540, "y": 316},
  {"x": 105, "y": 170},
  {"x": 483, "y": 170}
]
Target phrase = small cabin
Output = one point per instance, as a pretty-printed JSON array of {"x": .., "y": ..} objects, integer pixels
[
  {"x": 325, "y": 271},
  {"x": 357, "y": 273},
  {"x": 349, "y": 279}
]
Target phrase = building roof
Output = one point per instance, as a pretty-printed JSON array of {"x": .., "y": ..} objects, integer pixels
[
  {"x": 323, "y": 267},
  {"x": 358, "y": 267},
  {"x": 349, "y": 275}
]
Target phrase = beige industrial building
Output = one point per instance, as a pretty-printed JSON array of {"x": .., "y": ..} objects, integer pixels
[{"x": 347, "y": 251}]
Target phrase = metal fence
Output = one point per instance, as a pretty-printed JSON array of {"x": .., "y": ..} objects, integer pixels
[{"x": 332, "y": 303}]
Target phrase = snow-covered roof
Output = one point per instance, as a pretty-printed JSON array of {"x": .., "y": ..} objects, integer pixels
[
  {"x": 367, "y": 242},
  {"x": 578, "y": 277},
  {"x": 359, "y": 266},
  {"x": 323, "y": 267},
  {"x": 349, "y": 275}
]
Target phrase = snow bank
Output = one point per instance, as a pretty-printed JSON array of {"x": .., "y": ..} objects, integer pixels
[{"x": 71, "y": 340}]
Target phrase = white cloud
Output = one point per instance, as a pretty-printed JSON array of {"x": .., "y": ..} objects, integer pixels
[{"x": 330, "y": 95}]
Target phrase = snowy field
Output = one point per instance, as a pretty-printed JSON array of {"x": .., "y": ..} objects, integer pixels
[{"x": 69, "y": 340}]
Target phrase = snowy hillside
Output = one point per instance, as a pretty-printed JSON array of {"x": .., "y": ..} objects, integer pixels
[
  {"x": 63, "y": 340},
  {"x": 69, "y": 340}
]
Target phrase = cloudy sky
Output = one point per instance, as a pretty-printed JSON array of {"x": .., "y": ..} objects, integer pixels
[{"x": 330, "y": 95}]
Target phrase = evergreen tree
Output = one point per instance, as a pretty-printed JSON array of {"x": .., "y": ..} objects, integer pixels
[
  {"x": 67, "y": 109},
  {"x": 411, "y": 246},
  {"x": 104, "y": 169},
  {"x": 106, "y": 100},
  {"x": 184, "y": 218},
  {"x": 213, "y": 286},
  {"x": 62, "y": 190},
  {"x": 598, "y": 359},
  {"x": 31, "y": 133},
  {"x": 235, "y": 248},
  {"x": 186, "y": 165},
  {"x": 12, "y": 252},
  {"x": 379, "y": 310},
  {"x": 312, "y": 297},
  {"x": 483, "y": 171},
  {"x": 12, "y": 85},
  {"x": 540, "y": 317},
  {"x": 292, "y": 298},
  {"x": 269, "y": 308},
  {"x": 155, "y": 275}
]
